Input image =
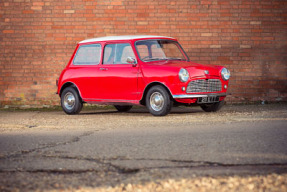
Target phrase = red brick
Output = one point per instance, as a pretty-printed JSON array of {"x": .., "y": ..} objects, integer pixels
[
  {"x": 69, "y": 11},
  {"x": 8, "y": 31},
  {"x": 223, "y": 2},
  {"x": 257, "y": 30},
  {"x": 38, "y": 3},
  {"x": 142, "y": 14},
  {"x": 205, "y": 2},
  {"x": 37, "y": 8},
  {"x": 116, "y": 3},
  {"x": 27, "y": 11},
  {"x": 244, "y": 54}
]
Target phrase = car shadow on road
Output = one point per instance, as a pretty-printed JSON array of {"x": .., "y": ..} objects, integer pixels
[{"x": 141, "y": 111}]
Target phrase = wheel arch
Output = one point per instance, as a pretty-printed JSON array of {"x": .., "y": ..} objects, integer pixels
[
  {"x": 150, "y": 85},
  {"x": 70, "y": 84}
]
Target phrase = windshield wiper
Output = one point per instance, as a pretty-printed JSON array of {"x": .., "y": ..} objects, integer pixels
[
  {"x": 154, "y": 59},
  {"x": 163, "y": 58},
  {"x": 174, "y": 58}
]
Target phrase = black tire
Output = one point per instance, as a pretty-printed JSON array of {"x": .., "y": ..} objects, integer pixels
[
  {"x": 124, "y": 108},
  {"x": 158, "y": 101},
  {"x": 71, "y": 101},
  {"x": 212, "y": 107}
]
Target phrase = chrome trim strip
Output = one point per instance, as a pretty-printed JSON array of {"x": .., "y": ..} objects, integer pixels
[
  {"x": 200, "y": 95},
  {"x": 111, "y": 101}
]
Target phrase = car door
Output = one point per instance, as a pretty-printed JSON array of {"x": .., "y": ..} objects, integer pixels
[
  {"x": 117, "y": 77},
  {"x": 85, "y": 69}
]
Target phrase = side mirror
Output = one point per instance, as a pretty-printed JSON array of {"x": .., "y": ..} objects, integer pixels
[{"x": 131, "y": 60}]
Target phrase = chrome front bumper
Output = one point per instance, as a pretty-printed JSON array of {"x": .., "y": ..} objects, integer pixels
[{"x": 200, "y": 95}]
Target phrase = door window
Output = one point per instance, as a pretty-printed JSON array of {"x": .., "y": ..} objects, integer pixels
[{"x": 118, "y": 53}]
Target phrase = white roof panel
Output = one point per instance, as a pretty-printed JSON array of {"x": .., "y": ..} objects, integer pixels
[{"x": 126, "y": 37}]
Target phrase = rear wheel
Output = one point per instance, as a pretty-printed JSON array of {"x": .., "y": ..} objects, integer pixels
[
  {"x": 70, "y": 101},
  {"x": 124, "y": 108},
  {"x": 158, "y": 101},
  {"x": 212, "y": 107}
]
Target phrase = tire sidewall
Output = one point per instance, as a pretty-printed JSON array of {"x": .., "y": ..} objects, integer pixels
[
  {"x": 167, "y": 101},
  {"x": 78, "y": 104}
]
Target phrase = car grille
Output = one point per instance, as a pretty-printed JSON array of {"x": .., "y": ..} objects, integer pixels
[{"x": 204, "y": 85}]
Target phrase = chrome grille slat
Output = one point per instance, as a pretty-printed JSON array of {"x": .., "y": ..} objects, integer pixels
[{"x": 204, "y": 85}]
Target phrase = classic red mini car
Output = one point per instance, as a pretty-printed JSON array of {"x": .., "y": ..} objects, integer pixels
[{"x": 139, "y": 70}]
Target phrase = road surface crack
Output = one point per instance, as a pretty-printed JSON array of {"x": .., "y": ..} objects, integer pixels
[
  {"x": 46, "y": 146},
  {"x": 190, "y": 164}
]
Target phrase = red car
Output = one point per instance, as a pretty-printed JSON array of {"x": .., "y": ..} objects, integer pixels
[{"x": 139, "y": 70}]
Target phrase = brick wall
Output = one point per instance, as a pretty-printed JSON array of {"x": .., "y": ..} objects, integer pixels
[{"x": 249, "y": 37}]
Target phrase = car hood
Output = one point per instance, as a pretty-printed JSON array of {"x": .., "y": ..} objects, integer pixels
[{"x": 194, "y": 69}]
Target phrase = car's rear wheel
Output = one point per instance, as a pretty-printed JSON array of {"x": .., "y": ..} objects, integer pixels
[
  {"x": 158, "y": 101},
  {"x": 70, "y": 101},
  {"x": 124, "y": 108},
  {"x": 212, "y": 107}
]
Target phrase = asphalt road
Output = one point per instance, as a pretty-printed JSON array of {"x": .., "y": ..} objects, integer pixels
[{"x": 42, "y": 150}]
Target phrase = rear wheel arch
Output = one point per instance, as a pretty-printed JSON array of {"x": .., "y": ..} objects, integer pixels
[{"x": 70, "y": 84}]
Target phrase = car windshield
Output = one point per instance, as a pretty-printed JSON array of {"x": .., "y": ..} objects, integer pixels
[{"x": 153, "y": 50}]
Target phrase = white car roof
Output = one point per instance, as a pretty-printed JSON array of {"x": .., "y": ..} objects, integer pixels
[{"x": 125, "y": 37}]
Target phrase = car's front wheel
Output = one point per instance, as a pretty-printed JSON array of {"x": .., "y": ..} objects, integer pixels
[
  {"x": 124, "y": 108},
  {"x": 158, "y": 101},
  {"x": 212, "y": 107},
  {"x": 70, "y": 101}
]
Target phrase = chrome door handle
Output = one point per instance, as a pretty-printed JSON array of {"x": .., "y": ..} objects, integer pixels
[{"x": 103, "y": 69}]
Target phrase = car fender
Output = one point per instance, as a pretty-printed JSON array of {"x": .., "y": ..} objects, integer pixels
[
  {"x": 151, "y": 84},
  {"x": 69, "y": 84}
]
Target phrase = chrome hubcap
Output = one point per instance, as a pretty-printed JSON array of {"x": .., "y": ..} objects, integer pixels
[
  {"x": 69, "y": 101},
  {"x": 156, "y": 101}
]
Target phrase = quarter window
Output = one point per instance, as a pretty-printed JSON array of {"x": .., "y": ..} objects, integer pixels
[
  {"x": 88, "y": 55},
  {"x": 118, "y": 53}
]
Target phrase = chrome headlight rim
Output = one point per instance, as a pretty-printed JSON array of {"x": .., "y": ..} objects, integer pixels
[
  {"x": 183, "y": 75},
  {"x": 225, "y": 74}
]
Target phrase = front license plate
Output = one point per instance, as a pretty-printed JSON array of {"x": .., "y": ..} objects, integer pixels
[{"x": 207, "y": 99}]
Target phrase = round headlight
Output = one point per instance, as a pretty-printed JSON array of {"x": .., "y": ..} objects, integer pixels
[
  {"x": 183, "y": 75},
  {"x": 225, "y": 74}
]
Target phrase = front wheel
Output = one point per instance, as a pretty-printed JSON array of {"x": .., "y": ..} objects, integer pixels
[
  {"x": 124, "y": 108},
  {"x": 70, "y": 101},
  {"x": 158, "y": 101},
  {"x": 212, "y": 107}
]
